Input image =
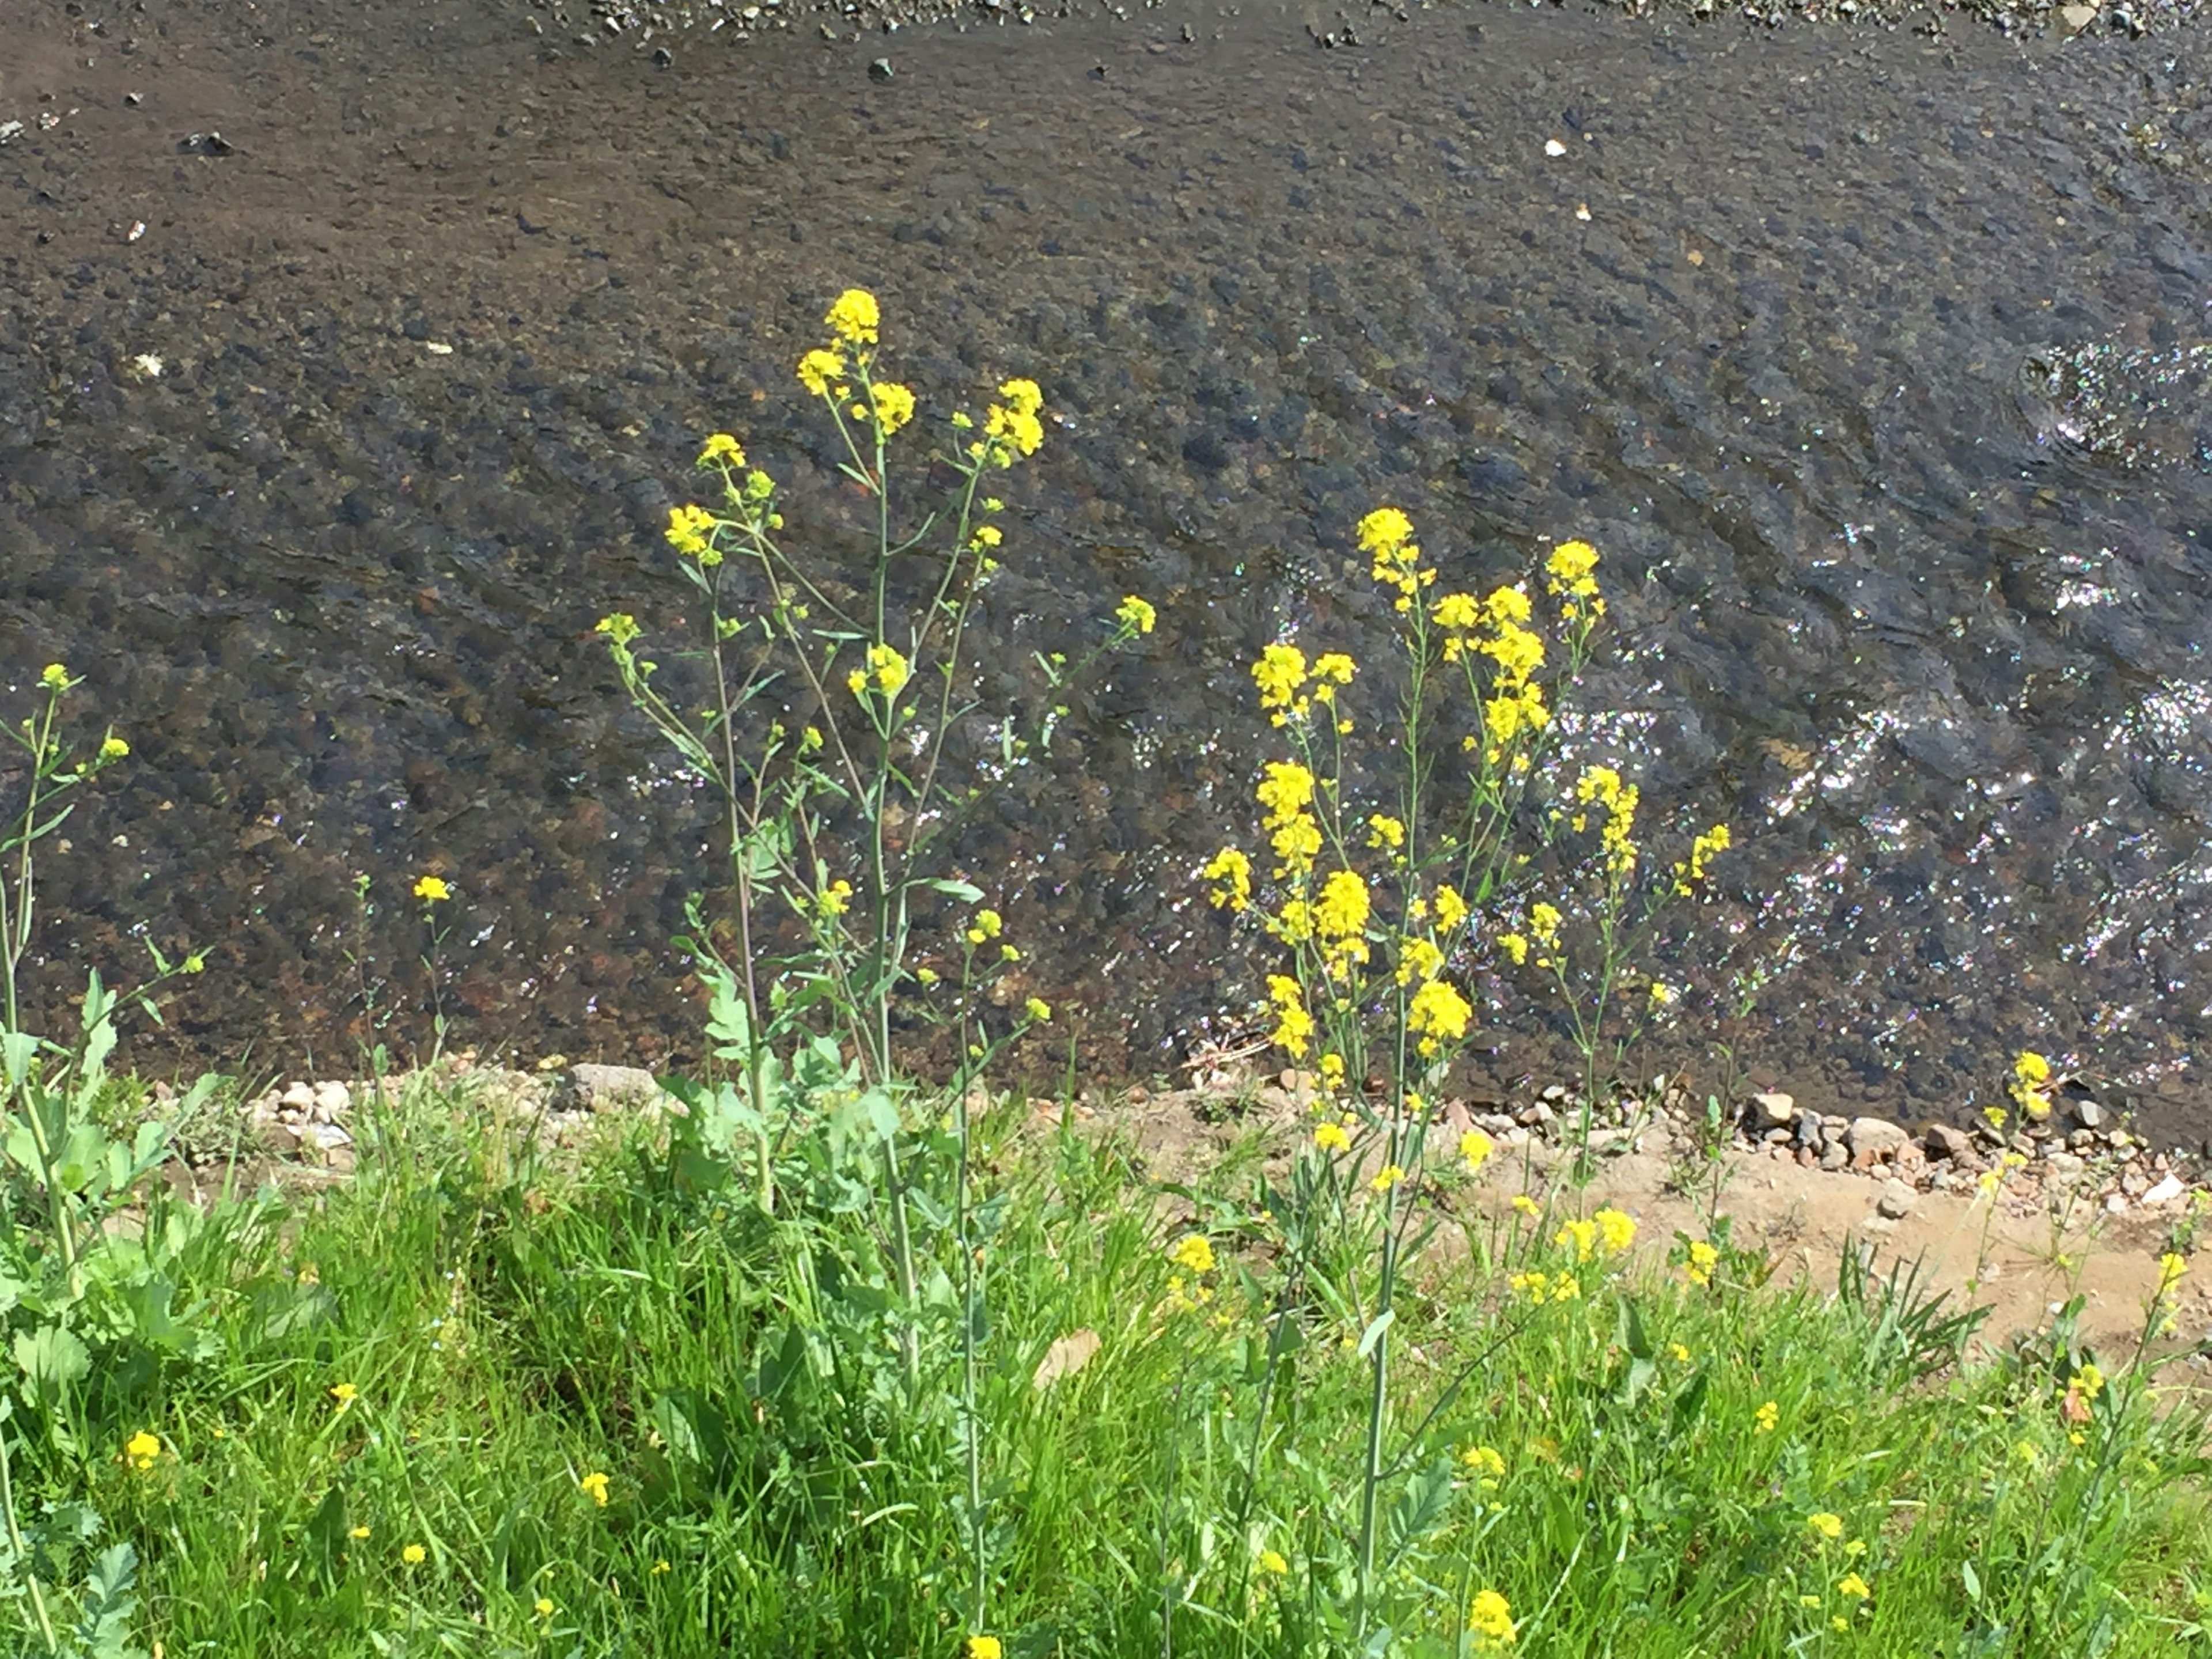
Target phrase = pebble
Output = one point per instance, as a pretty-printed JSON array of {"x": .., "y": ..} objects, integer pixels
[
  {"x": 1873, "y": 1139},
  {"x": 602, "y": 1088},
  {"x": 1896, "y": 1200},
  {"x": 2165, "y": 1192},
  {"x": 1946, "y": 1141},
  {"x": 1772, "y": 1109}
]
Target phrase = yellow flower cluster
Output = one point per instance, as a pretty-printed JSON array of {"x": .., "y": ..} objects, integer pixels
[
  {"x": 1436, "y": 1014},
  {"x": 722, "y": 450},
  {"x": 2030, "y": 1090},
  {"x": 1497, "y": 628},
  {"x": 1490, "y": 1621},
  {"x": 1601, "y": 787},
  {"x": 1568, "y": 578},
  {"x": 1136, "y": 615},
  {"x": 1387, "y": 534},
  {"x": 1286, "y": 791},
  {"x": 140, "y": 1450},
  {"x": 1546, "y": 1287},
  {"x": 887, "y": 671},
  {"x": 1609, "y": 1232},
  {"x": 854, "y": 318},
  {"x": 1193, "y": 1253},
  {"x": 433, "y": 889},
  {"x": 1475, "y": 1148},
  {"x": 1703, "y": 1259},
  {"x": 1293, "y": 1024},
  {"x": 1702, "y": 849},
  {"x": 889, "y": 405},
  {"x": 1230, "y": 872},
  {"x": 690, "y": 531},
  {"x": 1013, "y": 427},
  {"x": 1340, "y": 921}
]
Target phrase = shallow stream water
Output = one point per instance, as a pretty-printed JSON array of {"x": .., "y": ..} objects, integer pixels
[{"x": 1876, "y": 371}]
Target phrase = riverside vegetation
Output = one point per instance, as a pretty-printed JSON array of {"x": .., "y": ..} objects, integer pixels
[{"x": 828, "y": 1360}]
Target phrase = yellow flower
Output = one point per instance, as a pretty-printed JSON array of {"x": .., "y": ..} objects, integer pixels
[
  {"x": 1230, "y": 872},
  {"x": 1451, "y": 908},
  {"x": 834, "y": 899},
  {"x": 140, "y": 1450},
  {"x": 1703, "y": 1259},
  {"x": 1852, "y": 1585},
  {"x": 1767, "y": 1416},
  {"x": 1278, "y": 672},
  {"x": 987, "y": 535},
  {"x": 1455, "y": 610},
  {"x": 1837, "y": 1622},
  {"x": 658, "y": 1567},
  {"x": 1515, "y": 946},
  {"x": 817, "y": 368},
  {"x": 852, "y": 318},
  {"x": 980, "y": 1647},
  {"x": 345, "y": 1393},
  {"x": 1333, "y": 668},
  {"x": 2030, "y": 1072},
  {"x": 113, "y": 747},
  {"x": 1135, "y": 615},
  {"x": 928, "y": 976},
  {"x": 1015, "y": 426},
  {"x": 543, "y": 1608},
  {"x": 1194, "y": 1253},
  {"x": 1332, "y": 1071},
  {"x": 1830, "y": 1527},
  {"x": 432, "y": 890},
  {"x": 1475, "y": 1148},
  {"x": 2088, "y": 1380},
  {"x": 722, "y": 446},
  {"x": 988, "y": 924},
  {"x": 1615, "y": 1231},
  {"x": 887, "y": 671},
  {"x": 1581, "y": 1236},
  {"x": 1483, "y": 1461},
  {"x": 1569, "y": 566},
  {"x": 1293, "y": 1024},
  {"x": 1544, "y": 923},
  {"x": 1678, "y": 1352},
  {"x": 1702, "y": 849},
  {"x": 1490, "y": 1621},
  {"x": 1331, "y": 1138},
  {"x": 1008, "y": 953},
  {"x": 1388, "y": 1176},
  {"x": 894, "y": 406},
  {"x": 1527, "y": 1206},
  {"x": 1385, "y": 527},
  {"x": 593, "y": 1486},
  {"x": 358, "y": 1533},
  {"x": 414, "y": 1555},
  {"x": 54, "y": 677},
  {"x": 1038, "y": 1010},
  {"x": 1383, "y": 830},
  {"x": 1342, "y": 909},
  {"x": 621, "y": 627},
  {"x": 2171, "y": 1267},
  {"x": 690, "y": 531},
  {"x": 1438, "y": 1013},
  {"x": 1272, "y": 1561}
]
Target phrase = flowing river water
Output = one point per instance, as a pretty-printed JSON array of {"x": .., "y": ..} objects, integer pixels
[{"x": 1875, "y": 363}]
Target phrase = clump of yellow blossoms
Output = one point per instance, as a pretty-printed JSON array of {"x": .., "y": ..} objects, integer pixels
[
  {"x": 2030, "y": 1086},
  {"x": 1490, "y": 1621}
]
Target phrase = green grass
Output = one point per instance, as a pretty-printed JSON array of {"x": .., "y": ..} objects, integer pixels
[{"x": 513, "y": 1324}]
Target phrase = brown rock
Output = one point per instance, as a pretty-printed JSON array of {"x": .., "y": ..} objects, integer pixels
[
  {"x": 1944, "y": 1141},
  {"x": 1874, "y": 1141}
]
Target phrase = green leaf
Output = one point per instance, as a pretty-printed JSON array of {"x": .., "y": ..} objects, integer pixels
[
  {"x": 53, "y": 1358},
  {"x": 1971, "y": 1579},
  {"x": 1373, "y": 1333},
  {"x": 966, "y": 893}
]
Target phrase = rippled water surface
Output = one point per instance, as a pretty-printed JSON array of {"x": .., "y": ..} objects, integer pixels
[{"x": 1876, "y": 370}]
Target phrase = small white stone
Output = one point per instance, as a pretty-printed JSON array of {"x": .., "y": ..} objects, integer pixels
[
  {"x": 1552, "y": 147},
  {"x": 2165, "y": 1192},
  {"x": 437, "y": 348},
  {"x": 332, "y": 1102},
  {"x": 147, "y": 366},
  {"x": 298, "y": 1097}
]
